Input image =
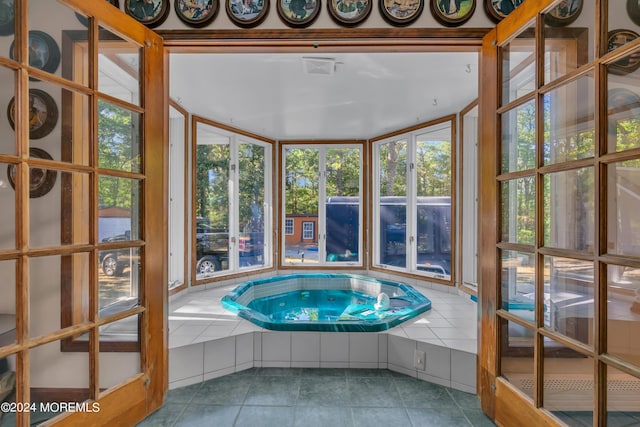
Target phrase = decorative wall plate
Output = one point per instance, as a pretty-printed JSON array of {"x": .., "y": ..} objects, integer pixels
[
  {"x": 150, "y": 12},
  {"x": 401, "y": 12},
  {"x": 247, "y": 13},
  {"x": 452, "y": 13},
  {"x": 349, "y": 13},
  {"x": 298, "y": 13},
  {"x": 41, "y": 181},
  {"x": 564, "y": 13},
  {"x": 633, "y": 10},
  {"x": 628, "y": 64},
  {"x": 196, "y": 13},
  {"x": 500, "y": 9},
  {"x": 43, "y": 113},
  {"x": 44, "y": 52}
]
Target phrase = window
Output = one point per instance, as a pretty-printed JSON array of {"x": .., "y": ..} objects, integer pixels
[
  {"x": 288, "y": 226},
  {"x": 232, "y": 209},
  {"x": 413, "y": 190},
  {"x": 307, "y": 231},
  {"x": 321, "y": 185}
]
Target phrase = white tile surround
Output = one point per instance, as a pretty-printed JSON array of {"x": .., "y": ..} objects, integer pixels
[{"x": 206, "y": 341}]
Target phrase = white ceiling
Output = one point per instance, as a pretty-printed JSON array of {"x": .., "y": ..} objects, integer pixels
[{"x": 369, "y": 94}]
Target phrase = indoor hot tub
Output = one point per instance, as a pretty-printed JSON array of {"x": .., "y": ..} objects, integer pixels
[{"x": 325, "y": 302}]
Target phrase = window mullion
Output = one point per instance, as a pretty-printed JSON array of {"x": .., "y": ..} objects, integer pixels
[
  {"x": 322, "y": 197},
  {"x": 234, "y": 202},
  {"x": 411, "y": 204}
]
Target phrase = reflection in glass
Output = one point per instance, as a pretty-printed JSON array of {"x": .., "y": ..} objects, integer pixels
[
  {"x": 55, "y": 377},
  {"x": 343, "y": 167},
  {"x": 518, "y": 206},
  {"x": 623, "y": 408},
  {"x": 516, "y": 356},
  {"x": 119, "y": 209},
  {"x": 119, "y": 275},
  {"x": 75, "y": 128},
  {"x": 47, "y": 277},
  {"x": 73, "y": 217},
  {"x": 301, "y": 200},
  {"x": 433, "y": 175},
  {"x": 7, "y": 302},
  {"x": 212, "y": 201},
  {"x": 568, "y": 209},
  {"x": 8, "y": 211},
  {"x": 623, "y": 311},
  {"x": 623, "y": 107},
  {"x": 566, "y": 43},
  {"x": 518, "y": 289},
  {"x": 8, "y": 140},
  {"x": 569, "y": 304},
  {"x": 251, "y": 174},
  {"x": 118, "y": 67},
  {"x": 124, "y": 330},
  {"x": 569, "y": 121},
  {"x": 519, "y": 66},
  {"x": 568, "y": 384},
  {"x": 623, "y": 203},
  {"x": 118, "y": 138},
  {"x": 519, "y": 138},
  {"x": 117, "y": 367},
  {"x": 393, "y": 203}
]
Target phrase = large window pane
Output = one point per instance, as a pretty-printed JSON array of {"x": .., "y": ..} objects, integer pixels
[
  {"x": 47, "y": 276},
  {"x": 568, "y": 209},
  {"x": 393, "y": 203},
  {"x": 251, "y": 194},
  {"x": 623, "y": 312},
  {"x": 118, "y": 67},
  {"x": 569, "y": 305},
  {"x": 518, "y": 287},
  {"x": 623, "y": 106},
  {"x": 301, "y": 203},
  {"x": 516, "y": 355},
  {"x": 8, "y": 140},
  {"x": 623, "y": 406},
  {"x": 119, "y": 209},
  {"x": 623, "y": 205},
  {"x": 519, "y": 138},
  {"x": 212, "y": 201},
  {"x": 433, "y": 189},
  {"x": 8, "y": 203},
  {"x": 118, "y": 138},
  {"x": 566, "y": 37},
  {"x": 119, "y": 278},
  {"x": 518, "y": 206},
  {"x": 343, "y": 203},
  {"x": 569, "y": 121},
  {"x": 519, "y": 66},
  {"x": 568, "y": 384}
]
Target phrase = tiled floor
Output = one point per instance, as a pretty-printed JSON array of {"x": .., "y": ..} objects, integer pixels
[{"x": 317, "y": 397}]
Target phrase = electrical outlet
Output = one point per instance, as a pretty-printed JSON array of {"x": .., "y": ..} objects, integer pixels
[{"x": 419, "y": 360}]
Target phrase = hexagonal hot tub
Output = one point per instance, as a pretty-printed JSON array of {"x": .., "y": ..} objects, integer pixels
[{"x": 325, "y": 302}]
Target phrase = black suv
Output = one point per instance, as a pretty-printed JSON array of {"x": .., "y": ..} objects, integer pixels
[{"x": 114, "y": 262}]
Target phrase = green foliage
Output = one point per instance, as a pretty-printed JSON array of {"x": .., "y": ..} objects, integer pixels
[
  {"x": 301, "y": 180},
  {"x": 251, "y": 194},
  {"x": 433, "y": 168},
  {"x": 212, "y": 184},
  {"x": 118, "y": 149},
  {"x": 393, "y": 164}
]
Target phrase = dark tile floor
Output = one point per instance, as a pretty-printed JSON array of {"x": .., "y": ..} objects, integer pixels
[{"x": 318, "y": 398}]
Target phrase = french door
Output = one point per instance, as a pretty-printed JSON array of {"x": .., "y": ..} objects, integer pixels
[
  {"x": 559, "y": 195},
  {"x": 83, "y": 235}
]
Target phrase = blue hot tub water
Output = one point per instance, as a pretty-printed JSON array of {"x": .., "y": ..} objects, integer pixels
[{"x": 324, "y": 302}]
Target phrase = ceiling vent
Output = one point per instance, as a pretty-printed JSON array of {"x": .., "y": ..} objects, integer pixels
[{"x": 321, "y": 66}]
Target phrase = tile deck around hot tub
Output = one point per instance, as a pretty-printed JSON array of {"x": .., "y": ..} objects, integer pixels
[{"x": 206, "y": 341}]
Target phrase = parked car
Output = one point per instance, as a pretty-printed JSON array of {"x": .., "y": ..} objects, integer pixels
[
  {"x": 212, "y": 248},
  {"x": 114, "y": 262}
]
